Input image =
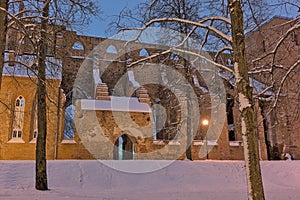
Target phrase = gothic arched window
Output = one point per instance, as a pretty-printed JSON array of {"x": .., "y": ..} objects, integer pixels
[
  {"x": 18, "y": 117},
  {"x": 144, "y": 53},
  {"x": 112, "y": 49}
]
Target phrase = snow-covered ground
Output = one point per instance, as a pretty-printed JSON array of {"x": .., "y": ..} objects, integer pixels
[{"x": 181, "y": 180}]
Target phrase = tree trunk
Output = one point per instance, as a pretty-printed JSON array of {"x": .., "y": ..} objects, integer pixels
[
  {"x": 244, "y": 91},
  {"x": 3, "y": 30},
  {"x": 41, "y": 182}
]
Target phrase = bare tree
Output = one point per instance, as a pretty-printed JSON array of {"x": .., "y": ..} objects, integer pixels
[
  {"x": 3, "y": 30},
  {"x": 236, "y": 39},
  {"x": 36, "y": 23},
  {"x": 41, "y": 182},
  {"x": 246, "y": 105}
]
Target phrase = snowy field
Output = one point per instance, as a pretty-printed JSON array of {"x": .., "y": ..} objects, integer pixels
[{"x": 181, "y": 180}]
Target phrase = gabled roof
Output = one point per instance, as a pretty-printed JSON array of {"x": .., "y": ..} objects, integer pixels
[
  {"x": 26, "y": 66},
  {"x": 248, "y": 34}
]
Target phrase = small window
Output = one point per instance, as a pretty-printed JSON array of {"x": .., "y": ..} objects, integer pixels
[
  {"x": 78, "y": 46},
  {"x": 33, "y": 66},
  {"x": 17, "y": 134},
  {"x": 59, "y": 35},
  {"x": 14, "y": 133},
  {"x": 144, "y": 53},
  {"x": 202, "y": 61},
  {"x": 35, "y": 133},
  {"x": 229, "y": 62},
  {"x": 111, "y": 49},
  {"x": 231, "y": 135},
  {"x": 174, "y": 56}
]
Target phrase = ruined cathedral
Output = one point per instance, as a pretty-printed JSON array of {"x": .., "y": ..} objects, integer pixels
[{"x": 103, "y": 104}]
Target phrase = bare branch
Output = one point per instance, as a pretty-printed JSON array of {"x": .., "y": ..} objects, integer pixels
[
  {"x": 221, "y": 51},
  {"x": 197, "y": 24},
  {"x": 279, "y": 43},
  {"x": 296, "y": 64}
]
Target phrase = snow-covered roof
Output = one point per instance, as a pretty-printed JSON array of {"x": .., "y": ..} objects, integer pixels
[
  {"x": 258, "y": 86},
  {"x": 123, "y": 104},
  {"x": 26, "y": 65}
]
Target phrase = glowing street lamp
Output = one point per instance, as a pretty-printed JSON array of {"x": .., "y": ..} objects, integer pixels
[{"x": 205, "y": 122}]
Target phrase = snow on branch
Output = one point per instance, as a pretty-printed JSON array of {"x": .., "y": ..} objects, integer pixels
[
  {"x": 200, "y": 24},
  {"x": 279, "y": 43},
  {"x": 221, "y": 51},
  {"x": 296, "y": 64}
]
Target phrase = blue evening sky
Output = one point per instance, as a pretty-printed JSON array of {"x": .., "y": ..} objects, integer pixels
[
  {"x": 112, "y": 8},
  {"x": 109, "y": 9}
]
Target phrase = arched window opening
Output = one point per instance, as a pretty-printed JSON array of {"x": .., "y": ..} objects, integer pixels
[
  {"x": 174, "y": 56},
  {"x": 144, "y": 53},
  {"x": 111, "y": 49},
  {"x": 78, "y": 46},
  {"x": 69, "y": 124},
  {"x": 230, "y": 117},
  {"x": 154, "y": 119},
  {"x": 123, "y": 149},
  {"x": 159, "y": 121},
  {"x": 202, "y": 61},
  {"x": 18, "y": 118},
  {"x": 229, "y": 62},
  {"x": 33, "y": 66}
]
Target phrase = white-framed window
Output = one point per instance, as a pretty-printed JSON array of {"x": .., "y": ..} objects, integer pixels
[{"x": 18, "y": 118}]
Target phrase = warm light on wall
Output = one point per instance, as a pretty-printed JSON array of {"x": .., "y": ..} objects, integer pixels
[{"x": 205, "y": 122}]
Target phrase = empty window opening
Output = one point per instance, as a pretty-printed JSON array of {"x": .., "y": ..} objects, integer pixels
[
  {"x": 230, "y": 117},
  {"x": 229, "y": 62},
  {"x": 154, "y": 132},
  {"x": 33, "y": 66},
  {"x": 144, "y": 53},
  {"x": 174, "y": 56},
  {"x": 69, "y": 125},
  {"x": 123, "y": 149},
  {"x": 111, "y": 49},
  {"x": 78, "y": 46}
]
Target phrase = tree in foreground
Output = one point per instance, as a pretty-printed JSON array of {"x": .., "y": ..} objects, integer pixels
[
  {"x": 3, "y": 30},
  {"x": 229, "y": 31},
  {"x": 37, "y": 22},
  {"x": 246, "y": 105}
]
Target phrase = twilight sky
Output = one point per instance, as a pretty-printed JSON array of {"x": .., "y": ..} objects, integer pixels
[
  {"x": 109, "y": 8},
  {"x": 113, "y": 7}
]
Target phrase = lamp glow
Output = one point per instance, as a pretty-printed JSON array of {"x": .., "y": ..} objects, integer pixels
[{"x": 205, "y": 122}]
